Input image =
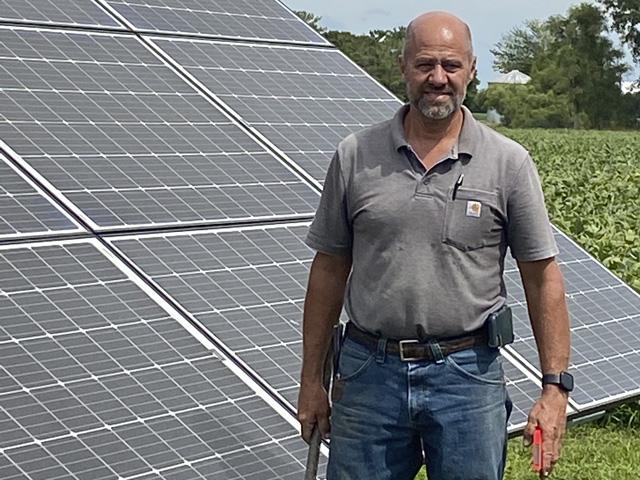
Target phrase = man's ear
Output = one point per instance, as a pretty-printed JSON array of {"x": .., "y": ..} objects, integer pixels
[{"x": 474, "y": 70}]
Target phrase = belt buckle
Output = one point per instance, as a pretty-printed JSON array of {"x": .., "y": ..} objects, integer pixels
[{"x": 404, "y": 357}]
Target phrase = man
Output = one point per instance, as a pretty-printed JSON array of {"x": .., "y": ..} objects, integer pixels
[{"x": 414, "y": 221}]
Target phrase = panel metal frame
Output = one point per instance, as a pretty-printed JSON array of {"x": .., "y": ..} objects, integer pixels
[{"x": 19, "y": 236}]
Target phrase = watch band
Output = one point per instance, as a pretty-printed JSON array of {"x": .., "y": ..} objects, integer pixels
[
  {"x": 552, "y": 378},
  {"x": 563, "y": 379}
]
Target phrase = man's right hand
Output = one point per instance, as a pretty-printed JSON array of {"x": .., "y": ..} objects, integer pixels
[{"x": 313, "y": 409}]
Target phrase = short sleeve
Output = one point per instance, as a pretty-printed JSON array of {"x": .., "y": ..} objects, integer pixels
[
  {"x": 529, "y": 233},
  {"x": 331, "y": 230}
]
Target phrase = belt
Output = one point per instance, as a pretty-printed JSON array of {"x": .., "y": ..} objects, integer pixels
[{"x": 416, "y": 350}]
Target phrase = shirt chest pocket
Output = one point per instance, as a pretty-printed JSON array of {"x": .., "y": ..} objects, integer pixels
[{"x": 472, "y": 220}]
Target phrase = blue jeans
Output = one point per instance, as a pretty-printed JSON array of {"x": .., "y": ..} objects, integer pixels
[{"x": 389, "y": 417}]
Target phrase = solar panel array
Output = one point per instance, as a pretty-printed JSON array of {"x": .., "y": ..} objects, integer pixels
[
  {"x": 127, "y": 141},
  {"x": 100, "y": 381},
  {"x": 199, "y": 132}
]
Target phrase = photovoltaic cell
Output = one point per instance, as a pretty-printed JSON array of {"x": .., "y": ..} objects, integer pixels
[
  {"x": 99, "y": 381},
  {"x": 128, "y": 142},
  {"x": 24, "y": 210},
  {"x": 303, "y": 100},
  {"x": 85, "y": 13},
  {"x": 246, "y": 19},
  {"x": 605, "y": 314}
]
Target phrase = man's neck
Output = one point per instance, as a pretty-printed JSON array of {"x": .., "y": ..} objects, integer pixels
[
  {"x": 431, "y": 138},
  {"x": 418, "y": 127}
]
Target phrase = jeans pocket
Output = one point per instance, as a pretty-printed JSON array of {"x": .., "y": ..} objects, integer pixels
[
  {"x": 354, "y": 360},
  {"x": 480, "y": 364}
]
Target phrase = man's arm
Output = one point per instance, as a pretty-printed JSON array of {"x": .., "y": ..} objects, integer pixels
[
  {"x": 322, "y": 307},
  {"x": 544, "y": 289}
]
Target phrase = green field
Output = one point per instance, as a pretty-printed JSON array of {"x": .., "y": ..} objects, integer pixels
[{"x": 591, "y": 181}]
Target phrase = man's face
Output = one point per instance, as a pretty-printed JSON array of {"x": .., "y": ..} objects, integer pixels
[{"x": 437, "y": 67}]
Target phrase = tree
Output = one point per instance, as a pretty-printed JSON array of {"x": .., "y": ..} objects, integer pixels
[
  {"x": 312, "y": 20},
  {"x": 523, "y": 106},
  {"x": 471, "y": 100},
  {"x": 572, "y": 58},
  {"x": 377, "y": 53},
  {"x": 518, "y": 49},
  {"x": 582, "y": 63},
  {"x": 625, "y": 16}
]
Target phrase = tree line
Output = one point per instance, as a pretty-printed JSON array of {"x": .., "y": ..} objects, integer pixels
[{"x": 575, "y": 69}]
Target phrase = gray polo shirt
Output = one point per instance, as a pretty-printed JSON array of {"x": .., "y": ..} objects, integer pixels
[{"x": 428, "y": 247}]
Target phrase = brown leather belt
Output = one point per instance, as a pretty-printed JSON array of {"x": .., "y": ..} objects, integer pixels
[{"x": 416, "y": 350}]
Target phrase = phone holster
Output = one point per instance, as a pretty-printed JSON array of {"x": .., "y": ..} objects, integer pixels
[{"x": 500, "y": 327}]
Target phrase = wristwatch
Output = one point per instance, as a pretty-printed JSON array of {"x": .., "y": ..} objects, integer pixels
[{"x": 564, "y": 380}]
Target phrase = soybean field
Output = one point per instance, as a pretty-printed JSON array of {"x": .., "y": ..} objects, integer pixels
[{"x": 591, "y": 181}]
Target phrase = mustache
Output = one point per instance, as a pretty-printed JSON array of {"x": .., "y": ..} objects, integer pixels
[{"x": 441, "y": 92}]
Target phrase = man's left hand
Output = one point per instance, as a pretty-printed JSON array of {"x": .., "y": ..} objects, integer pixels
[{"x": 550, "y": 414}]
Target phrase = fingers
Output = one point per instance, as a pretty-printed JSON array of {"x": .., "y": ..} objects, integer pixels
[
  {"x": 307, "y": 428},
  {"x": 530, "y": 428},
  {"x": 324, "y": 426},
  {"x": 313, "y": 410},
  {"x": 527, "y": 435}
]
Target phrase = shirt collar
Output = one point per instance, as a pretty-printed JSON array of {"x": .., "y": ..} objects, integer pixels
[{"x": 467, "y": 140}]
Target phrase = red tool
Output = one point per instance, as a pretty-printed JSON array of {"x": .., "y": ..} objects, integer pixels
[{"x": 536, "y": 452}]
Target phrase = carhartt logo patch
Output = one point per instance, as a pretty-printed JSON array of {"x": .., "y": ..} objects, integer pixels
[{"x": 474, "y": 209}]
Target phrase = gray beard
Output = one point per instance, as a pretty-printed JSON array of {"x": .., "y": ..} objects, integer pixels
[{"x": 439, "y": 112}]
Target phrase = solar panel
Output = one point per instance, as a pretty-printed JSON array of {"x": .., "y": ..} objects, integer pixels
[
  {"x": 24, "y": 208},
  {"x": 98, "y": 380},
  {"x": 128, "y": 142},
  {"x": 246, "y": 286},
  {"x": 246, "y": 19},
  {"x": 79, "y": 13},
  {"x": 605, "y": 351},
  {"x": 303, "y": 100}
]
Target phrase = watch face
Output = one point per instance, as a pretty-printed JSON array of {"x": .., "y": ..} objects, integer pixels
[{"x": 566, "y": 381}]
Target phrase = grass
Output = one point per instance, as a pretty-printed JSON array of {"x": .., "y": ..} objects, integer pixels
[
  {"x": 480, "y": 116},
  {"x": 606, "y": 449}
]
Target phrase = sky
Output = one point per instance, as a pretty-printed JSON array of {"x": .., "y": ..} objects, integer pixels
[{"x": 488, "y": 20}]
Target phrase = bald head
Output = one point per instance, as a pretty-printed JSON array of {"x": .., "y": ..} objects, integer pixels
[
  {"x": 435, "y": 27},
  {"x": 437, "y": 64}
]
